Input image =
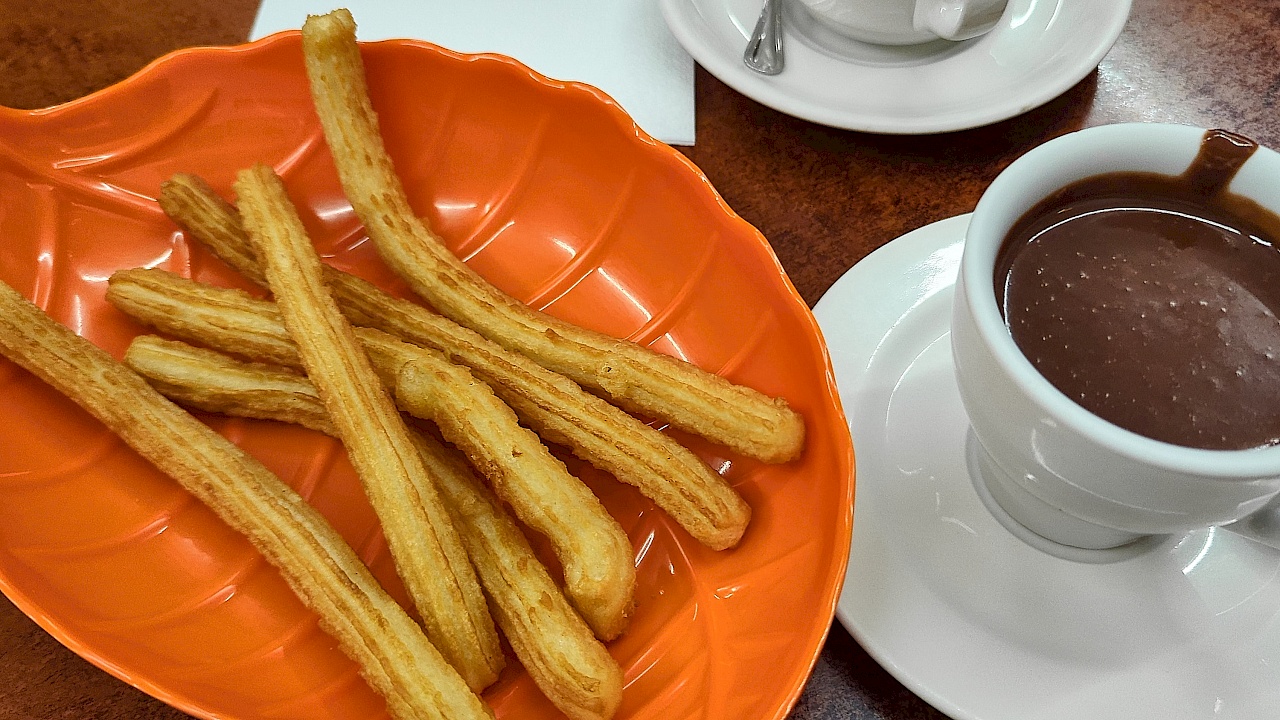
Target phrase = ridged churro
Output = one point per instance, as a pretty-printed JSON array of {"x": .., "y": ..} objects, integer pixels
[
  {"x": 631, "y": 376},
  {"x": 207, "y": 380},
  {"x": 599, "y": 569},
  {"x": 700, "y": 500},
  {"x": 599, "y": 573},
  {"x": 424, "y": 544},
  {"x": 562, "y": 656},
  {"x": 571, "y": 667},
  {"x": 225, "y": 319},
  {"x": 394, "y": 656}
]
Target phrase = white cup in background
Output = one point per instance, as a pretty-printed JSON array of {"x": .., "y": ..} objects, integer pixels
[
  {"x": 907, "y": 22},
  {"x": 1053, "y": 466}
]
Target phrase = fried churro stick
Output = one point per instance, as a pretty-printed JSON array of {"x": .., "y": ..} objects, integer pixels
[
  {"x": 206, "y": 380},
  {"x": 700, "y": 500},
  {"x": 565, "y": 660},
  {"x": 394, "y": 656},
  {"x": 599, "y": 572},
  {"x": 571, "y": 667},
  {"x": 225, "y": 319},
  {"x": 424, "y": 544},
  {"x": 595, "y": 552},
  {"x": 633, "y": 377}
]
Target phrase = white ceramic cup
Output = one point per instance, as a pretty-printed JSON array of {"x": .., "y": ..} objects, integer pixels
[
  {"x": 1059, "y": 470},
  {"x": 907, "y": 22}
]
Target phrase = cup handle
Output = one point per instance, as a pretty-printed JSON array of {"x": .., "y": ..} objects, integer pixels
[
  {"x": 958, "y": 19},
  {"x": 1261, "y": 526}
]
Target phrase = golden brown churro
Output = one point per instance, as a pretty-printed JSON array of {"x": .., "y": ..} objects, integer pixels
[
  {"x": 424, "y": 544},
  {"x": 633, "y": 377},
  {"x": 595, "y": 552},
  {"x": 557, "y": 648},
  {"x": 571, "y": 667},
  {"x": 599, "y": 571},
  {"x": 210, "y": 381},
  {"x": 551, "y": 404},
  {"x": 224, "y": 319},
  {"x": 394, "y": 656}
]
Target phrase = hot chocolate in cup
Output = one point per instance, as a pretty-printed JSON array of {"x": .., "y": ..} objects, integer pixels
[
  {"x": 1108, "y": 276},
  {"x": 907, "y": 22}
]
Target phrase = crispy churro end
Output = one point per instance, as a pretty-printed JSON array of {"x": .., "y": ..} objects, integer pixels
[
  {"x": 177, "y": 186},
  {"x": 257, "y": 173},
  {"x": 335, "y": 21},
  {"x": 791, "y": 432},
  {"x": 181, "y": 181}
]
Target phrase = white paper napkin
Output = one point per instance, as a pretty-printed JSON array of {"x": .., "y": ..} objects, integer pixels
[{"x": 622, "y": 47}]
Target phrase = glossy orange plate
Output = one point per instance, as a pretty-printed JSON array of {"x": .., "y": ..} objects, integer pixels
[{"x": 546, "y": 188}]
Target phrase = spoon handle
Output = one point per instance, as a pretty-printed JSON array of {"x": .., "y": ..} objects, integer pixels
[{"x": 764, "y": 49}]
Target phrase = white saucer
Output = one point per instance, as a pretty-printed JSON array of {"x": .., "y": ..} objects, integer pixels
[
  {"x": 1039, "y": 50},
  {"x": 976, "y": 621}
]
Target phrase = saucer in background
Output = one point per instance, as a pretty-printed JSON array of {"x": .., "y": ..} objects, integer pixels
[{"x": 1039, "y": 50}]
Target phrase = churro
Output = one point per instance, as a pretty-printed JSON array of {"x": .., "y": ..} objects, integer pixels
[
  {"x": 599, "y": 573},
  {"x": 225, "y": 319},
  {"x": 571, "y": 667},
  {"x": 700, "y": 500},
  {"x": 599, "y": 570},
  {"x": 425, "y": 546},
  {"x": 567, "y": 662},
  {"x": 394, "y": 656},
  {"x": 213, "y": 382},
  {"x": 633, "y": 377}
]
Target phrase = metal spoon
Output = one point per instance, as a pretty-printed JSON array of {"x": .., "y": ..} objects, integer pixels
[{"x": 764, "y": 49}]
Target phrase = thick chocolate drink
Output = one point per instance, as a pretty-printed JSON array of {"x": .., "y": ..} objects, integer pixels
[{"x": 1152, "y": 301}]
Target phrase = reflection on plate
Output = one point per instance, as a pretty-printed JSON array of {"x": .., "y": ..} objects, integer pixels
[
  {"x": 1039, "y": 49},
  {"x": 978, "y": 623},
  {"x": 548, "y": 189}
]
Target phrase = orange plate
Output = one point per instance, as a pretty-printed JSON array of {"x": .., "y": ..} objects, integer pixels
[{"x": 546, "y": 188}]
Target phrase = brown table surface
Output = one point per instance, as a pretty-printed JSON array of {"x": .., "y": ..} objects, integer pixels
[{"x": 825, "y": 198}]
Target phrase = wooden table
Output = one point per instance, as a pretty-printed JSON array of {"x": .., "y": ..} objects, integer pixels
[{"x": 825, "y": 198}]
